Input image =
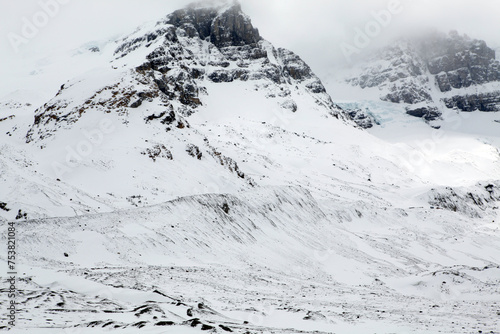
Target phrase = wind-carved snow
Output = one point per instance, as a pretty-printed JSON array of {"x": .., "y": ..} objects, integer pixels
[{"x": 271, "y": 258}]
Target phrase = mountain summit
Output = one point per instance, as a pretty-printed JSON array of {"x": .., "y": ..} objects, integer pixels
[
  {"x": 172, "y": 63},
  {"x": 223, "y": 24}
]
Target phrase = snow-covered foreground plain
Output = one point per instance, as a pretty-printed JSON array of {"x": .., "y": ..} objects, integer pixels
[
  {"x": 337, "y": 237},
  {"x": 276, "y": 262}
]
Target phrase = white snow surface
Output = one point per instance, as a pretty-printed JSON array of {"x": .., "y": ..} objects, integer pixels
[{"x": 330, "y": 231}]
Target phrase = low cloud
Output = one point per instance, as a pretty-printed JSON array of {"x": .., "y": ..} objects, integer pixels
[{"x": 316, "y": 29}]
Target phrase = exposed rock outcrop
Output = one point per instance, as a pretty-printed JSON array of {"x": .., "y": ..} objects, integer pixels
[
  {"x": 363, "y": 118},
  {"x": 473, "y": 201},
  {"x": 223, "y": 26},
  {"x": 427, "y": 113},
  {"x": 434, "y": 70},
  {"x": 472, "y": 102}
]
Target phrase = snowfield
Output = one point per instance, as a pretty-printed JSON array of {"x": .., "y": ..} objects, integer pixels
[{"x": 263, "y": 209}]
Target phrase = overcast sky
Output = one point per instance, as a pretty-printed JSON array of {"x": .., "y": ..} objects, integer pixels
[{"x": 314, "y": 29}]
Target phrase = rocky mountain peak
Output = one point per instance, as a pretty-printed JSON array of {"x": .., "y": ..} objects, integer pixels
[
  {"x": 458, "y": 61},
  {"x": 177, "y": 62},
  {"x": 222, "y": 22},
  {"x": 438, "y": 44},
  {"x": 434, "y": 71}
]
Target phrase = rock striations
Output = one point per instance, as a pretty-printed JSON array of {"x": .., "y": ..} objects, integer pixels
[{"x": 435, "y": 72}]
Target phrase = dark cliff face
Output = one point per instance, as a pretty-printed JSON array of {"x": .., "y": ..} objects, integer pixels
[
  {"x": 458, "y": 61},
  {"x": 472, "y": 102},
  {"x": 433, "y": 71},
  {"x": 224, "y": 28}
]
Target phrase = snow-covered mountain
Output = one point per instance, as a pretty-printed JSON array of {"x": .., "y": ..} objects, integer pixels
[
  {"x": 156, "y": 78},
  {"x": 169, "y": 64},
  {"x": 433, "y": 72},
  {"x": 194, "y": 177}
]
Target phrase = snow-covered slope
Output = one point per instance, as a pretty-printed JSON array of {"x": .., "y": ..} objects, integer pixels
[
  {"x": 270, "y": 259},
  {"x": 122, "y": 118},
  {"x": 196, "y": 177}
]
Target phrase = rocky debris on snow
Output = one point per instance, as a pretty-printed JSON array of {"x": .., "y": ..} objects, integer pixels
[
  {"x": 158, "y": 151},
  {"x": 427, "y": 113},
  {"x": 363, "y": 118},
  {"x": 470, "y": 201},
  {"x": 3, "y": 206},
  {"x": 194, "y": 151},
  {"x": 21, "y": 215}
]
